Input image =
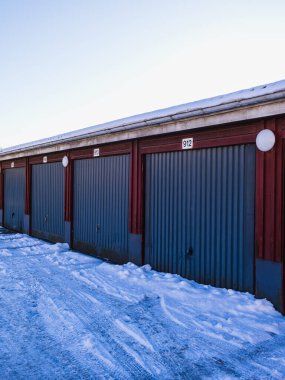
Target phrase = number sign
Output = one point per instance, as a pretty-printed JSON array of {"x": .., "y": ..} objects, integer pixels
[{"x": 187, "y": 143}]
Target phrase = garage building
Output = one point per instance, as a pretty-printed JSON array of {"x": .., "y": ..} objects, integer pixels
[{"x": 195, "y": 189}]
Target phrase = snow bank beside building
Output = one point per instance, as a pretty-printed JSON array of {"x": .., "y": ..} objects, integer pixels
[{"x": 67, "y": 315}]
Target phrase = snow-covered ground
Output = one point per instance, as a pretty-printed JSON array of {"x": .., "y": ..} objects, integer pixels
[{"x": 65, "y": 315}]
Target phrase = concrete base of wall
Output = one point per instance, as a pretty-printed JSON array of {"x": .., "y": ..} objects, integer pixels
[
  {"x": 67, "y": 232},
  {"x": 269, "y": 282},
  {"x": 135, "y": 249},
  {"x": 26, "y": 225}
]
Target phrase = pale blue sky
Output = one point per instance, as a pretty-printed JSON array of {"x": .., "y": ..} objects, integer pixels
[{"x": 69, "y": 64}]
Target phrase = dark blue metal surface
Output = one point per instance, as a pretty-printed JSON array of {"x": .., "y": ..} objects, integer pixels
[
  {"x": 269, "y": 282},
  {"x": 199, "y": 215},
  {"x": 14, "y": 198},
  {"x": 47, "y": 213},
  {"x": 101, "y": 206},
  {"x": 135, "y": 248}
]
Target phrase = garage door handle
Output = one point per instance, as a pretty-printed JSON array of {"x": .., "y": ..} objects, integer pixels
[
  {"x": 189, "y": 251},
  {"x": 13, "y": 214}
]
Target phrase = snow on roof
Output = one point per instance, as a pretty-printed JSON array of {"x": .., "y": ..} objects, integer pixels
[{"x": 251, "y": 96}]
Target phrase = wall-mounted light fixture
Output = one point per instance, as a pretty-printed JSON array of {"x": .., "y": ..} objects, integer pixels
[
  {"x": 265, "y": 140},
  {"x": 65, "y": 161}
]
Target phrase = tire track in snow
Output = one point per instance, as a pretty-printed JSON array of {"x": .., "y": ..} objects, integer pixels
[
  {"x": 59, "y": 278},
  {"x": 67, "y": 318}
]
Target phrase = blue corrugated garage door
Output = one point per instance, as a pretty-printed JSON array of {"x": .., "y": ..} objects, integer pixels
[
  {"x": 101, "y": 207},
  {"x": 47, "y": 214},
  {"x": 199, "y": 215},
  {"x": 14, "y": 198}
]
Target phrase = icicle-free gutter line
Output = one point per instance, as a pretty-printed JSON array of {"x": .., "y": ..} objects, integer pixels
[{"x": 259, "y": 95}]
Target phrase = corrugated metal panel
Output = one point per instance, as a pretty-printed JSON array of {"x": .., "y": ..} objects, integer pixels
[
  {"x": 101, "y": 204},
  {"x": 14, "y": 198},
  {"x": 199, "y": 215},
  {"x": 47, "y": 214}
]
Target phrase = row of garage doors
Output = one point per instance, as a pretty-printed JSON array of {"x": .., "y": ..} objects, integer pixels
[{"x": 198, "y": 210}]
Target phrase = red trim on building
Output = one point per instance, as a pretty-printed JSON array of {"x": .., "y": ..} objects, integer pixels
[
  {"x": 104, "y": 150},
  {"x": 2, "y": 193},
  {"x": 28, "y": 187},
  {"x": 141, "y": 181},
  {"x": 53, "y": 157},
  {"x": 259, "y": 205},
  {"x": 133, "y": 202},
  {"x": 279, "y": 203},
  {"x": 18, "y": 163},
  {"x": 269, "y": 199},
  {"x": 68, "y": 187},
  {"x": 221, "y": 136},
  {"x": 136, "y": 201},
  {"x": 269, "y": 252}
]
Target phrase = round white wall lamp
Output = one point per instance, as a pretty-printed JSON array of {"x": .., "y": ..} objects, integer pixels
[
  {"x": 265, "y": 140},
  {"x": 65, "y": 161}
]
